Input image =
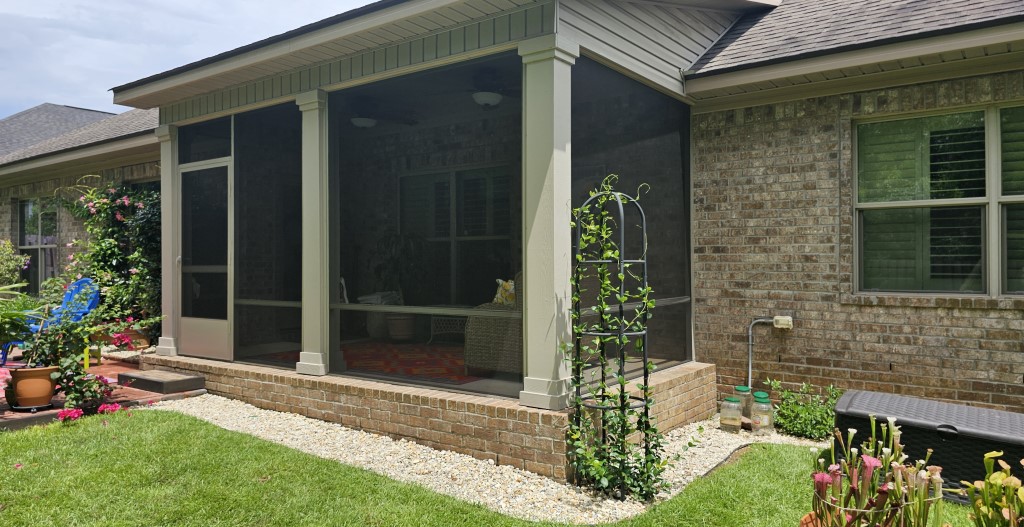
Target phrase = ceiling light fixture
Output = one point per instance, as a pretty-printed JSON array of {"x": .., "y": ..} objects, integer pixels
[
  {"x": 487, "y": 99},
  {"x": 363, "y": 122}
]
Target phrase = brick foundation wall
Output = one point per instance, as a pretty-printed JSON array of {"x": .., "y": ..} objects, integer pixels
[
  {"x": 774, "y": 235},
  {"x": 476, "y": 425}
]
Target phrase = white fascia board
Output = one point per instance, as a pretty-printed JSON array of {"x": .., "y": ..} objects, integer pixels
[
  {"x": 860, "y": 57},
  {"x": 106, "y": 149},
  {"x": 279, "y": 49}
]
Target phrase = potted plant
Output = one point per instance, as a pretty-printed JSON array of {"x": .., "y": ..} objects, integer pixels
[
  {"x": 15, "y": 310},
  {"x": 397, "y": 266},
  {"x": 873, "y": 486},
  {"x": 59, "y": 350}
]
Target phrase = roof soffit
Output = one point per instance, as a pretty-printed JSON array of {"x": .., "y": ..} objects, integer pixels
[{"x": 394, "y": 24}]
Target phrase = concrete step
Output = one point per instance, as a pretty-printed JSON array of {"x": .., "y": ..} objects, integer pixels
[{"x": 161, "y": 381}]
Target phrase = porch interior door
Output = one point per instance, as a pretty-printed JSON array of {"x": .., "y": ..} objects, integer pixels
[{"x": 205, "y": 259}]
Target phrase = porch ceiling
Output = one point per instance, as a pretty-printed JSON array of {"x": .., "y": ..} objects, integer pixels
[{"x": 375, "y": 25}]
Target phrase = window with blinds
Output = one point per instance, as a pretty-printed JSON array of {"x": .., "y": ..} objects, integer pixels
[
  {"x": 471, "y": 243},
  {"x": 927, "y": 199}
]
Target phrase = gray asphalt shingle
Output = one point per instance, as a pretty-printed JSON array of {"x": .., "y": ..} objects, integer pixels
[
  {"x": 113, "y": 127},
  {"x": 801, "y": 28},
  {"x": 43, "y": 122}
]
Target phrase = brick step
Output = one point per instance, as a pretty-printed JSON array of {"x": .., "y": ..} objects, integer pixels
[{"x": 162, "y": 381}]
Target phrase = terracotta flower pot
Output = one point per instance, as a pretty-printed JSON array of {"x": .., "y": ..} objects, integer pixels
[
  {"x": 32, "y": 387},
  {"x": 809, "y": 520}
]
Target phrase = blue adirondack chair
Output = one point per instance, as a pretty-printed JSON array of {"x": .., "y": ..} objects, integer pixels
[{"x": 81, "y": 297}]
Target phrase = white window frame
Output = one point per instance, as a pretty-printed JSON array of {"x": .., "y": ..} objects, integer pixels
[
  {"x": 38, "y": 269},
  {"x": 992, "y": 204}
]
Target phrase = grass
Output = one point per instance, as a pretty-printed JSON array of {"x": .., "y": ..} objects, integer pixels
[{"x": 161, "y": 468}]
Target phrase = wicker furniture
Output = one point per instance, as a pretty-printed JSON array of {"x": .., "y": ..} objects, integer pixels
[{"x": 496, "y": 344}]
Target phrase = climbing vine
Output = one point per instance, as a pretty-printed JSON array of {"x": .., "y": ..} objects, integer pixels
[{"x": 611, "y": 305}]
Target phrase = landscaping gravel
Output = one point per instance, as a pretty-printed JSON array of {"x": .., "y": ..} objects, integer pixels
[{"x": 501, "y": 488}]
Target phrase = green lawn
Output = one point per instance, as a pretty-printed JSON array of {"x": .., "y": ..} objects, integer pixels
[{"x": 162, "y": 468}]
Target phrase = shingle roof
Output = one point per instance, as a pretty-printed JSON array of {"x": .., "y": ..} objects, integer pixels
[
  {"x": 805, "y": 28},
  {"x": 126, "y": 124},
  {"x": 41, "y": 123}
]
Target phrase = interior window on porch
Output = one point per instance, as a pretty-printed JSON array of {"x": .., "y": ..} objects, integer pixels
[{"x": 426, "y": 184}]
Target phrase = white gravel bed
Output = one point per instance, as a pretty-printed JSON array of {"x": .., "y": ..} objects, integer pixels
[{"x": 501, "y": 488}]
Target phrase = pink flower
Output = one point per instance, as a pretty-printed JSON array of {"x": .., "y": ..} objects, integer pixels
[
  {"x": 133, "y": 271},
  {"x": 140, "y": 205},
  {"x": 111, "y": 190},
  {"x": 90, "y": 204},
  {"x": 870, "y": 464},
  {"x": 125, "y": 200},
  {"x": 18, "y": 466},
  {"x": 119, "y": 216},
  {"x": 109, "y": 408},
  {"x": 69, "y": 414},
  {"x": 822, "y": 481},
  {"x": 121, "y": 340}
]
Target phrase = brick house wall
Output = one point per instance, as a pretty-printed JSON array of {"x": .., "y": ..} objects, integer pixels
[
  {"x": 68, "y": 228},
  {"x": 774, "y": 235}
]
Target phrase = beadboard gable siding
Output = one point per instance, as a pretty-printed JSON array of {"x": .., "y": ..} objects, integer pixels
[
  {"x": 653, "y": 41},
  {"x": 496, "y": 32}
]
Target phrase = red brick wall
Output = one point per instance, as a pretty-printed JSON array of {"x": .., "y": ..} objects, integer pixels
[{"x": 773, "y": 235}]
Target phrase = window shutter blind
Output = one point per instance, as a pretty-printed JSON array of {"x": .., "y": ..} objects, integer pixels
[
  {"x": 1014, "y": 240},
  {"x": 888, "y": 161},
  {"x": 1012, "y": 132},
  {"x": 957, "y": 163}
]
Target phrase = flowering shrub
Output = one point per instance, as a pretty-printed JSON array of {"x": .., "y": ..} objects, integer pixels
[
  {"x": 109, "y": 408},
  {"x": 873, "y": 487},
  {"x": 998, "y": 501},
  {"x": 12, "y": 263},
  {"x": 122, "y": 253},
  {"x": 69, "y": 414}
]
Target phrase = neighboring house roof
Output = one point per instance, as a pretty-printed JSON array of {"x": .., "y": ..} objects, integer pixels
[
  {"x": 130, "y": 123},
  {"x": 43, "y": 122},
  {"x": 800, "y": 29}
]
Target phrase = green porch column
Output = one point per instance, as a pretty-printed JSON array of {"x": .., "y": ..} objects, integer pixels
[
  {"x": 313, "y": 360},
  {"x": 547, "y": 165},
  {"x": 170, "y": 203}
]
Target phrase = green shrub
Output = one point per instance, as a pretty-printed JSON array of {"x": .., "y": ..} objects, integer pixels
[
  {"x": 805, "y": 413},
  {"x": 12, "y": 263}
]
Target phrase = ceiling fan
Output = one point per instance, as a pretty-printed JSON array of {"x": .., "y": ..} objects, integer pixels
[
  {"x": 489, "y": 88},
  {"x": 367, "y": 111}
]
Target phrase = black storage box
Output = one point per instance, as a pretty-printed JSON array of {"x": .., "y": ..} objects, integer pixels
[{"x": 958, "y": 435}]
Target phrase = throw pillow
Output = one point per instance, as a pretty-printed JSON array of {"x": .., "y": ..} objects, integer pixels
[{"x": 506, "y": 295}]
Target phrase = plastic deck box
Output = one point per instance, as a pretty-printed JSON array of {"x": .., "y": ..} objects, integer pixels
[{"x": 958, "y": 435}]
